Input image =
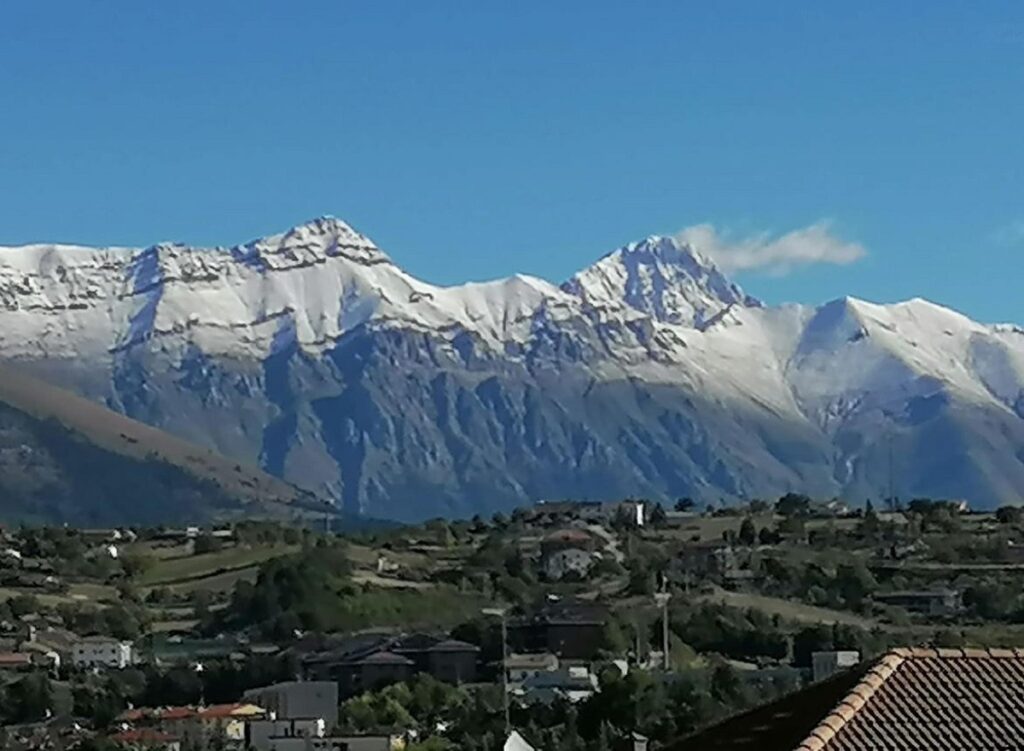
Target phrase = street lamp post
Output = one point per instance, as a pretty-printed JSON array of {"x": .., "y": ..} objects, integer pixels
[{"x": 502, "y": 613}]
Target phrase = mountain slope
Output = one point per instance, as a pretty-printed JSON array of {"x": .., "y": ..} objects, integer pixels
[
  {"x": 650, "y": 373},
  {"x": 66, "y": 459}
]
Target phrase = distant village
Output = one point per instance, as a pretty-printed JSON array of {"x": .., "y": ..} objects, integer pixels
[{"x": 546, "y": 607}]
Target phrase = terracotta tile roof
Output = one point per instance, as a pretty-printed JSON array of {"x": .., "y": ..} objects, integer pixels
[
  {"x": 908, "y": 700},
  {"x": 930, "y": 699},
  {"x": 230, "y": 710},
  {"x": 143, "y": 736},
  {"x": 15, "y": 659}
]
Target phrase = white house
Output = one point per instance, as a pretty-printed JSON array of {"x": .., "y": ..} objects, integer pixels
[{"x": 101, "y": 651}]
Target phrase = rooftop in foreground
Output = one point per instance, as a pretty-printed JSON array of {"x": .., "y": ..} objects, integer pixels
[{"x": 910, "y": 699}]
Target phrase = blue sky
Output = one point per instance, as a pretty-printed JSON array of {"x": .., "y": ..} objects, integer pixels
[{"x": 476, "y": 139}]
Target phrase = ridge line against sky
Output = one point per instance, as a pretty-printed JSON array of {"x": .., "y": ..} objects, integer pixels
[{"x": 477, "y": 140}]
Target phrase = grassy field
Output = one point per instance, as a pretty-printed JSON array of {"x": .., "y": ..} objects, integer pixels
[
  {"x": 796, "y": 611},
  {"x": 188, "y": 569},
  {"x": 711, "y": 528},
  {"x": 127, "y": 437}
]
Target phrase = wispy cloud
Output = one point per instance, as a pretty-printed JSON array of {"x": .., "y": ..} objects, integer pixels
[
  {"x": 1010, "y": 234},
  {"x": 775, "y": 254}
]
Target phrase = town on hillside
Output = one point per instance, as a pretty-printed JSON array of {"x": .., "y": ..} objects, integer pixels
[{"x": 564, "y": 625}]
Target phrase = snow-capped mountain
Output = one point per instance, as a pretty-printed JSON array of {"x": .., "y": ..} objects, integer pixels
[{"x": 649, "y": 373}]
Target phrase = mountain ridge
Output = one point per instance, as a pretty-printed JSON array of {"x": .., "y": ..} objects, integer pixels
[
  {"x": 286, "y": 350},
  {"x": 54, "y": 447}
]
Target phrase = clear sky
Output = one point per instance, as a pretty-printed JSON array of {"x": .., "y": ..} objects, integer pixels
[{"x": 475, "y": 139}]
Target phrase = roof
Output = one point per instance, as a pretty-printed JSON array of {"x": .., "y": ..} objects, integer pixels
[
  {"x": 15, "y": 658},
  {"x": 516, "y": 742},
  {"x": 539, "y": 660},
  {"x": 454, "y": 645},
  {"x": 571, "y": 612},
  {"x": 231, "y": 710},
  {"x": 96, "y": 639},
  {"x": 385, "y": 658},
  {"x": 569, "y": 535},
  {"x": 139, "y": 714},
  {"x": 935, "y": 699},
  {"x": 143, "y": 735}
]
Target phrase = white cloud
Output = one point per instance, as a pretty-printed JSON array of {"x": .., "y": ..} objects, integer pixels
[{"x": 779, "y": 254}]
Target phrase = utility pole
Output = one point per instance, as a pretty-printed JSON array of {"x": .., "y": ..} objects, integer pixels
[
  {"x": 502, "y": 613},
  {"x": 662, "y": 599}
]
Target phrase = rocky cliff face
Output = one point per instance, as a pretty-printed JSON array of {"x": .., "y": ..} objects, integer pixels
[{"x": 649, "y": 373}]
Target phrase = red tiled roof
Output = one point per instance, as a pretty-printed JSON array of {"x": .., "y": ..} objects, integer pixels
[
  {"x": 935, "y": 699},
  {"x": 15, "y": 658},
  {"x": 174, "y": 713},
  {"x": 140, "y": 714},
  {"x": 144, "y": 735},
  {"x": 908, "y": 700}
]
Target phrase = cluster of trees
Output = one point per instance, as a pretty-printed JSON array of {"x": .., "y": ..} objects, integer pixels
[
  {"x": 312, "y": 591},
  {"x": 659, "y": 708},
  {"x": 300, "y": 592},
  {"x": 101, "y": 697},
  {"x": 848, "y": 585}
]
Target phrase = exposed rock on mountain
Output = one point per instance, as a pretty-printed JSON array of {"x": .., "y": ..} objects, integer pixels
[{"x": 649, "y": 373}]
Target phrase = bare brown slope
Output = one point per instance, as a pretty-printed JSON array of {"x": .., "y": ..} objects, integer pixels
[{"x": 120, "y": 435}]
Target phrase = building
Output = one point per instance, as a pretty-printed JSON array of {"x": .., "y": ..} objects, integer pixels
[
  {"x": 225, "y": 722},
  {"x": 567, "y": 552},
  {"x": 262, "y": 734},
  {"x": 144, "y": 738},
  {"x": 516, "y": 742},
  {"x": 449, "y": 660},
  {"x": 826, "y": 664},
  {"x": 299, "y": 700},
  {"x": 936, "y": 603},
  {"x": 572, "y": 684},
  {"x": 913, "y": 699},
  {"x": 15, "y": 661},
  {"x": 228, "y": 721},
  {"x": 178, "y": 722},
  {"x": 183, "y": 650},
  {"x": 712, "y": 560},
  {"x": 566, "y": 628},
  {"x": 373, "y": 660},
  {"x": 102, "y": 652},
  {"x": 366, "y": 672},
  {"x": 632, "y": 511},
  {"x": 525, "y": 666},
  {"x": 339, "y": 743}
]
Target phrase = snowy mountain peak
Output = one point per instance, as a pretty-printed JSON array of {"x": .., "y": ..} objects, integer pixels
[
  {"x": 660, "y": 276},
  {"x": 318, "y": 238}
]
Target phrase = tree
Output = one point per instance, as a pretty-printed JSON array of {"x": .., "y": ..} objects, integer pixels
[
  {"x": 748, "y": 533},
  {"x": 854, "y": 583},
  {"x": 793, "y": 504},
  {"x": 685, "y": 504},
  {"x": 1009, "y": 514},
  {"x": 206, "y": 543},
  {"x": 658, "y": 517},
  {"x": 30, "y": 699}
]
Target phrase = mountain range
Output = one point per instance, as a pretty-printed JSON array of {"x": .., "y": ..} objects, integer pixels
[{"x": 650, "y": 373}]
